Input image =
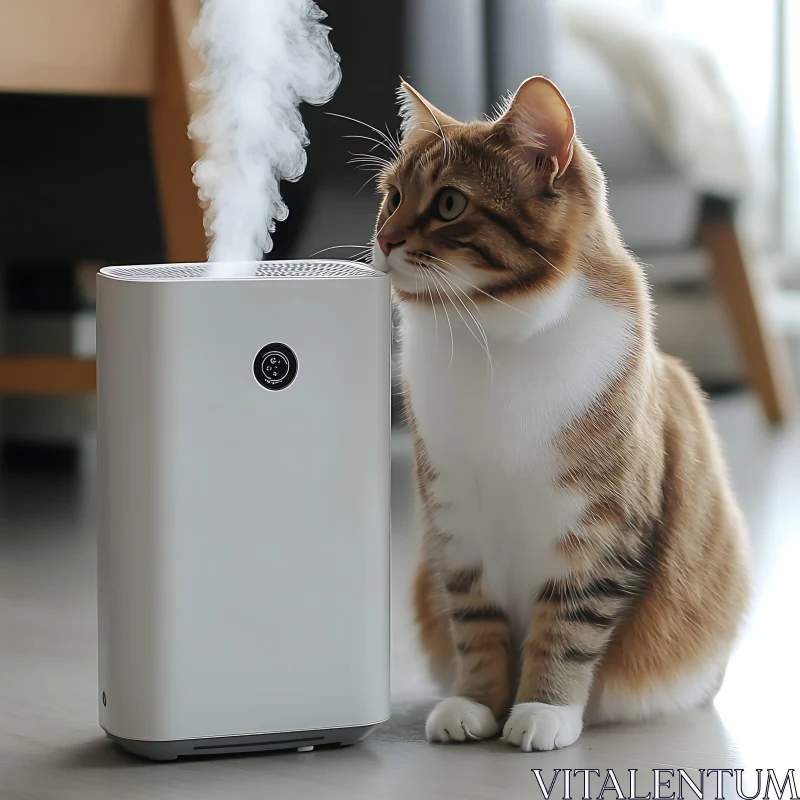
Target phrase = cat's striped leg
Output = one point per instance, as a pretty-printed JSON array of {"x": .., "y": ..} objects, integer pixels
[
  {"x": 571, "y": 627},
  {"x": 482, "y": 690}
]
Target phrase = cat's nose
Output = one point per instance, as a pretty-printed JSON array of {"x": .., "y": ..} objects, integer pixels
[{"x": 386, "y": 241}]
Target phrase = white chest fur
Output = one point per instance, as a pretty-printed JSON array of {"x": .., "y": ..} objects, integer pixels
[{"x": 490, "y": 435}]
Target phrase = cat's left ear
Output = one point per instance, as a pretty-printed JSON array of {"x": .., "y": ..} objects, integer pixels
[
  {"x": 540, "y": 120},
  {"x": 419, "y": 118}
]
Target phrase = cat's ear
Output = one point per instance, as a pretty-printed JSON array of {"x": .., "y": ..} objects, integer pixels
[
  {"x": 419, "y": 118},
  {"x": 540, "y": 120}
]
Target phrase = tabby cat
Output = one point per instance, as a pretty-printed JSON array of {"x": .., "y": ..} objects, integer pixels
[{"x": 583, "y": 558}]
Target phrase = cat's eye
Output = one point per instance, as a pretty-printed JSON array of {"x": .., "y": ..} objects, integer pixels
[
  {"x": 449, "y": 204},
  {"x": 393, "y": 200}
]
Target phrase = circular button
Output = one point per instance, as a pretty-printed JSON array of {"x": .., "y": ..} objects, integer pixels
[{"x": 275, "y": 366}]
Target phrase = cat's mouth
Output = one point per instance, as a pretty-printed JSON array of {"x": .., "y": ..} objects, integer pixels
[
  {"x": 409, "y": 274},
  {"x": 402, "y": 271},
  {"x": 405, "y": 276},
  {"x": 417, "y": 272}
]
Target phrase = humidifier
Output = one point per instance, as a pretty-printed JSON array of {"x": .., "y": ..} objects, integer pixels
[{"x": 244, "y": 470}]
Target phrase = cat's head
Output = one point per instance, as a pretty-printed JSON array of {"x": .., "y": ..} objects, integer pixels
[{"x": 497, "y": 206}]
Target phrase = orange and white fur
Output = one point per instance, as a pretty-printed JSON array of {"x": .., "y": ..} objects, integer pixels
[{"x": 582, "y": 556}]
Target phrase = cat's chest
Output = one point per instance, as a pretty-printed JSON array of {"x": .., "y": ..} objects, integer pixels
[
  {"x": 507, "y": 407},
  {"x": 492, "y": 446},
  {"x": 501, "y": 416},
  {"x": 492, "y": 438}
]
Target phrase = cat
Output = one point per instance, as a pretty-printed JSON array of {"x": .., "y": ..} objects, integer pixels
[{"x": 583, "y": 558}]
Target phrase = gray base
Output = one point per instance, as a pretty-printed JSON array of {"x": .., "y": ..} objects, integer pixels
[{"x": 252, "y": 743}]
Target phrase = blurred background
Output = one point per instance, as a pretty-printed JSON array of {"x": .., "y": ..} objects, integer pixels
[{"x": 691, "y": 107}]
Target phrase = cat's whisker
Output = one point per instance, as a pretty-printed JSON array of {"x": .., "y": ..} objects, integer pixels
[
  {"x": 376, "y": 144},
  {"x": 361, "y": 163},
  {"x": 435, "y": 133},
  {"x": 477, "y": 288},
  {"x": 371, "y": 178},
  {"x": 369, "y": 158},
  {"x": 546, "y": 260},
  {"x": 447, "y": 315},
  {"x": 482, "y": 331},
  {"x": 371, "y": 165},
  {"x": 381, "y": 164},
  {"x": 483, "y": 344},
  {"x": 395, "y": 138},
  {"x": 460, "y": 289},
  {"x": 338, "y": 247},
  {"x": 375, "y": 173},
  {"x": 448, "y": 284},
  {"x": 362, "y": 256},
  {"x": 387, "y": 139},
  {"x": 433, "y": 306}
]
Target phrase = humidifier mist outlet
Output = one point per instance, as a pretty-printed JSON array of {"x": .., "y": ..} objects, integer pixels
[{"x": 244, "y": 469}]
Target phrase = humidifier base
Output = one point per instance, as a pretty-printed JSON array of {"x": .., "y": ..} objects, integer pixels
[{"x": 251, "y": 743}]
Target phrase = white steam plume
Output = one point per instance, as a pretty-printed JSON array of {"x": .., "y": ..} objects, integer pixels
[{"x": 262, "y": 58}]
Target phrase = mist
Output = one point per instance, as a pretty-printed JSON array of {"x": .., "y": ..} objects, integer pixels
[{"x": 262, "y": 59}]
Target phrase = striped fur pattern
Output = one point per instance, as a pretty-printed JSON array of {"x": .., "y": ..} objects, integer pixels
[{"x": 582, "y": 558}]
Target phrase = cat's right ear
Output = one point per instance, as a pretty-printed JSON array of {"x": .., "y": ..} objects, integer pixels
[
  {"x": 540, "y": 120},
  {"x": 419, "y": 119}
]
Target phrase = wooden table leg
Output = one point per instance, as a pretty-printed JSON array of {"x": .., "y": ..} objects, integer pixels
[{"x": 764, "y": 354}]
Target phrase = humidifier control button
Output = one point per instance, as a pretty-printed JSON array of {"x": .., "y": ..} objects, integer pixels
[{"x": 275, "y": 366}]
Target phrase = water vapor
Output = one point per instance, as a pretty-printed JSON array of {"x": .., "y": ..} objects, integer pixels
[{"x": 262, "y": 59}]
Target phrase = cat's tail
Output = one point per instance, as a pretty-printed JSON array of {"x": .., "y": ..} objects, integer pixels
[{"x": 433, "y": 626}]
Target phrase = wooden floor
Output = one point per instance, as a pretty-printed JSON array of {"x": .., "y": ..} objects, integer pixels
[{"x": 52, "y": 749}]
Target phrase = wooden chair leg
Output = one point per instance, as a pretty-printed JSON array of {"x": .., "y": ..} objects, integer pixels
[
  {"x": 42, "y": 375},
  {"x": 171, "y": 108},
  {"x": 764, "y": 356}
]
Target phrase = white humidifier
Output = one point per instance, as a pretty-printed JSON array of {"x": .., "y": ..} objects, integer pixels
[{"x": 244, "y": 469}]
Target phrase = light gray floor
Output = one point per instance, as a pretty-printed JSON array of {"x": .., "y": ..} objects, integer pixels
[{"x": 51, "y": 747}]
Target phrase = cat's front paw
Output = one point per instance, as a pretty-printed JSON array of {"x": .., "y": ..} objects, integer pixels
[
  {"x": 539, "y": 726},
  {"x": 458, "y": 719}
]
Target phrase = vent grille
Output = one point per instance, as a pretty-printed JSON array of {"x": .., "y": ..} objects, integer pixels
[{"x": 266, "y": 269}]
